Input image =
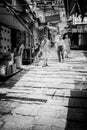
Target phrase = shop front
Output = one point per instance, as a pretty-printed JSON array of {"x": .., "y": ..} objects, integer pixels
[
  {"x": 12, "y": 37},
  {"x": 79, "y": 37}
]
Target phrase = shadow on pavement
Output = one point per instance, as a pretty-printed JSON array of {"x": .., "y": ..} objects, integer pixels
[
  {"x": 85, "y": 53},
  {"x": 10, "y": 80},
  {"x": 77, "y": 108}
]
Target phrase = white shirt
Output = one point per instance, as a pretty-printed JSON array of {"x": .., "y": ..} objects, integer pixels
[{"x": 59, "y": 42}]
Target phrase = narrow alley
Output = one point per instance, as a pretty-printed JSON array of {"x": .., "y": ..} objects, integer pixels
[{"x": 47, "y": 98}]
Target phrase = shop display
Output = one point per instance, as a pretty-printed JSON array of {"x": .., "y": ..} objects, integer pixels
[
  {"x": 5, "y": 39},
  {"x": 7, "y": 65}
]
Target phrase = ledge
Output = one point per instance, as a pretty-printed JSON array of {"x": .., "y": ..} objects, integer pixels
[{"x": 4, "y": 78}]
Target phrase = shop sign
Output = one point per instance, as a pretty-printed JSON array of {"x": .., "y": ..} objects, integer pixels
[
  {"x": 53, "y": 3},
  {"x": 78, "y": 20},
  {"x": 58, "y": 3}
]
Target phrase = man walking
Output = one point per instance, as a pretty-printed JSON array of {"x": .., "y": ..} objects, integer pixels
[{"x": 60, "y": 48}]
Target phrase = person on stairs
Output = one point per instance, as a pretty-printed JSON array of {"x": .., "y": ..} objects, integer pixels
[
  {"x": 60, "y": 44},
  {"x": 45, "y": 47},
  {"x": 37, "y": 47},
  {"x": 67, "y": 46}
]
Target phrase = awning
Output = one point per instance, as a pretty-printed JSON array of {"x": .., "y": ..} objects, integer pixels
[{"x": 10, "y": 20}]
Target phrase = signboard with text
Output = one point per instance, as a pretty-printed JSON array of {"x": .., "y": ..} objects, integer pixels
[{"x": 58, "y": 3}]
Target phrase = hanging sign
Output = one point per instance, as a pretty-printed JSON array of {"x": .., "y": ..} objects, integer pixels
[{"x": 58, "y": 3}]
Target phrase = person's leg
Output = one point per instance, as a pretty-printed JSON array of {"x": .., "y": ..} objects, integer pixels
[
  {"x": 68, "y": 51},
  {"x": 59, "y": 53},
  {"x": 45, "y": 59},
  {"x": 65, "y": 54},
  {"x": 62, "y": 54},
  {"x": 37, "y": 60},
  {"x": 59, "y": 57},
  {"x": 45, "y": 62}
]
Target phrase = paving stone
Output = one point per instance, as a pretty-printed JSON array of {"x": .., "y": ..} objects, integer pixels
[
  {"x": 5, "y": 110},
  {"x": 27, "y": 110},
  {"x": 17, "y": 122},
  {"x": 49, "y": 121},
  {"x": 16, "y": 126}
]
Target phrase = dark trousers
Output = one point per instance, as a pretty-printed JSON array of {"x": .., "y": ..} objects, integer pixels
[{"x": 60, "y": 53}]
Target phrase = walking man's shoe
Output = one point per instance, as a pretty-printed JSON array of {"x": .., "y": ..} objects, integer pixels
[
  {"x": 37, "y": 64},
  {"x": 45, "y": 65}
]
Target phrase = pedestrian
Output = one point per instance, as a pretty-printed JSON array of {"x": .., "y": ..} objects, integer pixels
[
  {"x": 18, "y": 54},
  {"x": 21, "y": 49},
  {"x": 60, "y": 48},
  {"x": 45, "y": 48},
  {"x": 37, "y": 47},
  {"x": 67, "y": 46}
]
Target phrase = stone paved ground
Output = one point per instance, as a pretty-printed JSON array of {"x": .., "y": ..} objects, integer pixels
[{"x": 47, "y": 98}]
